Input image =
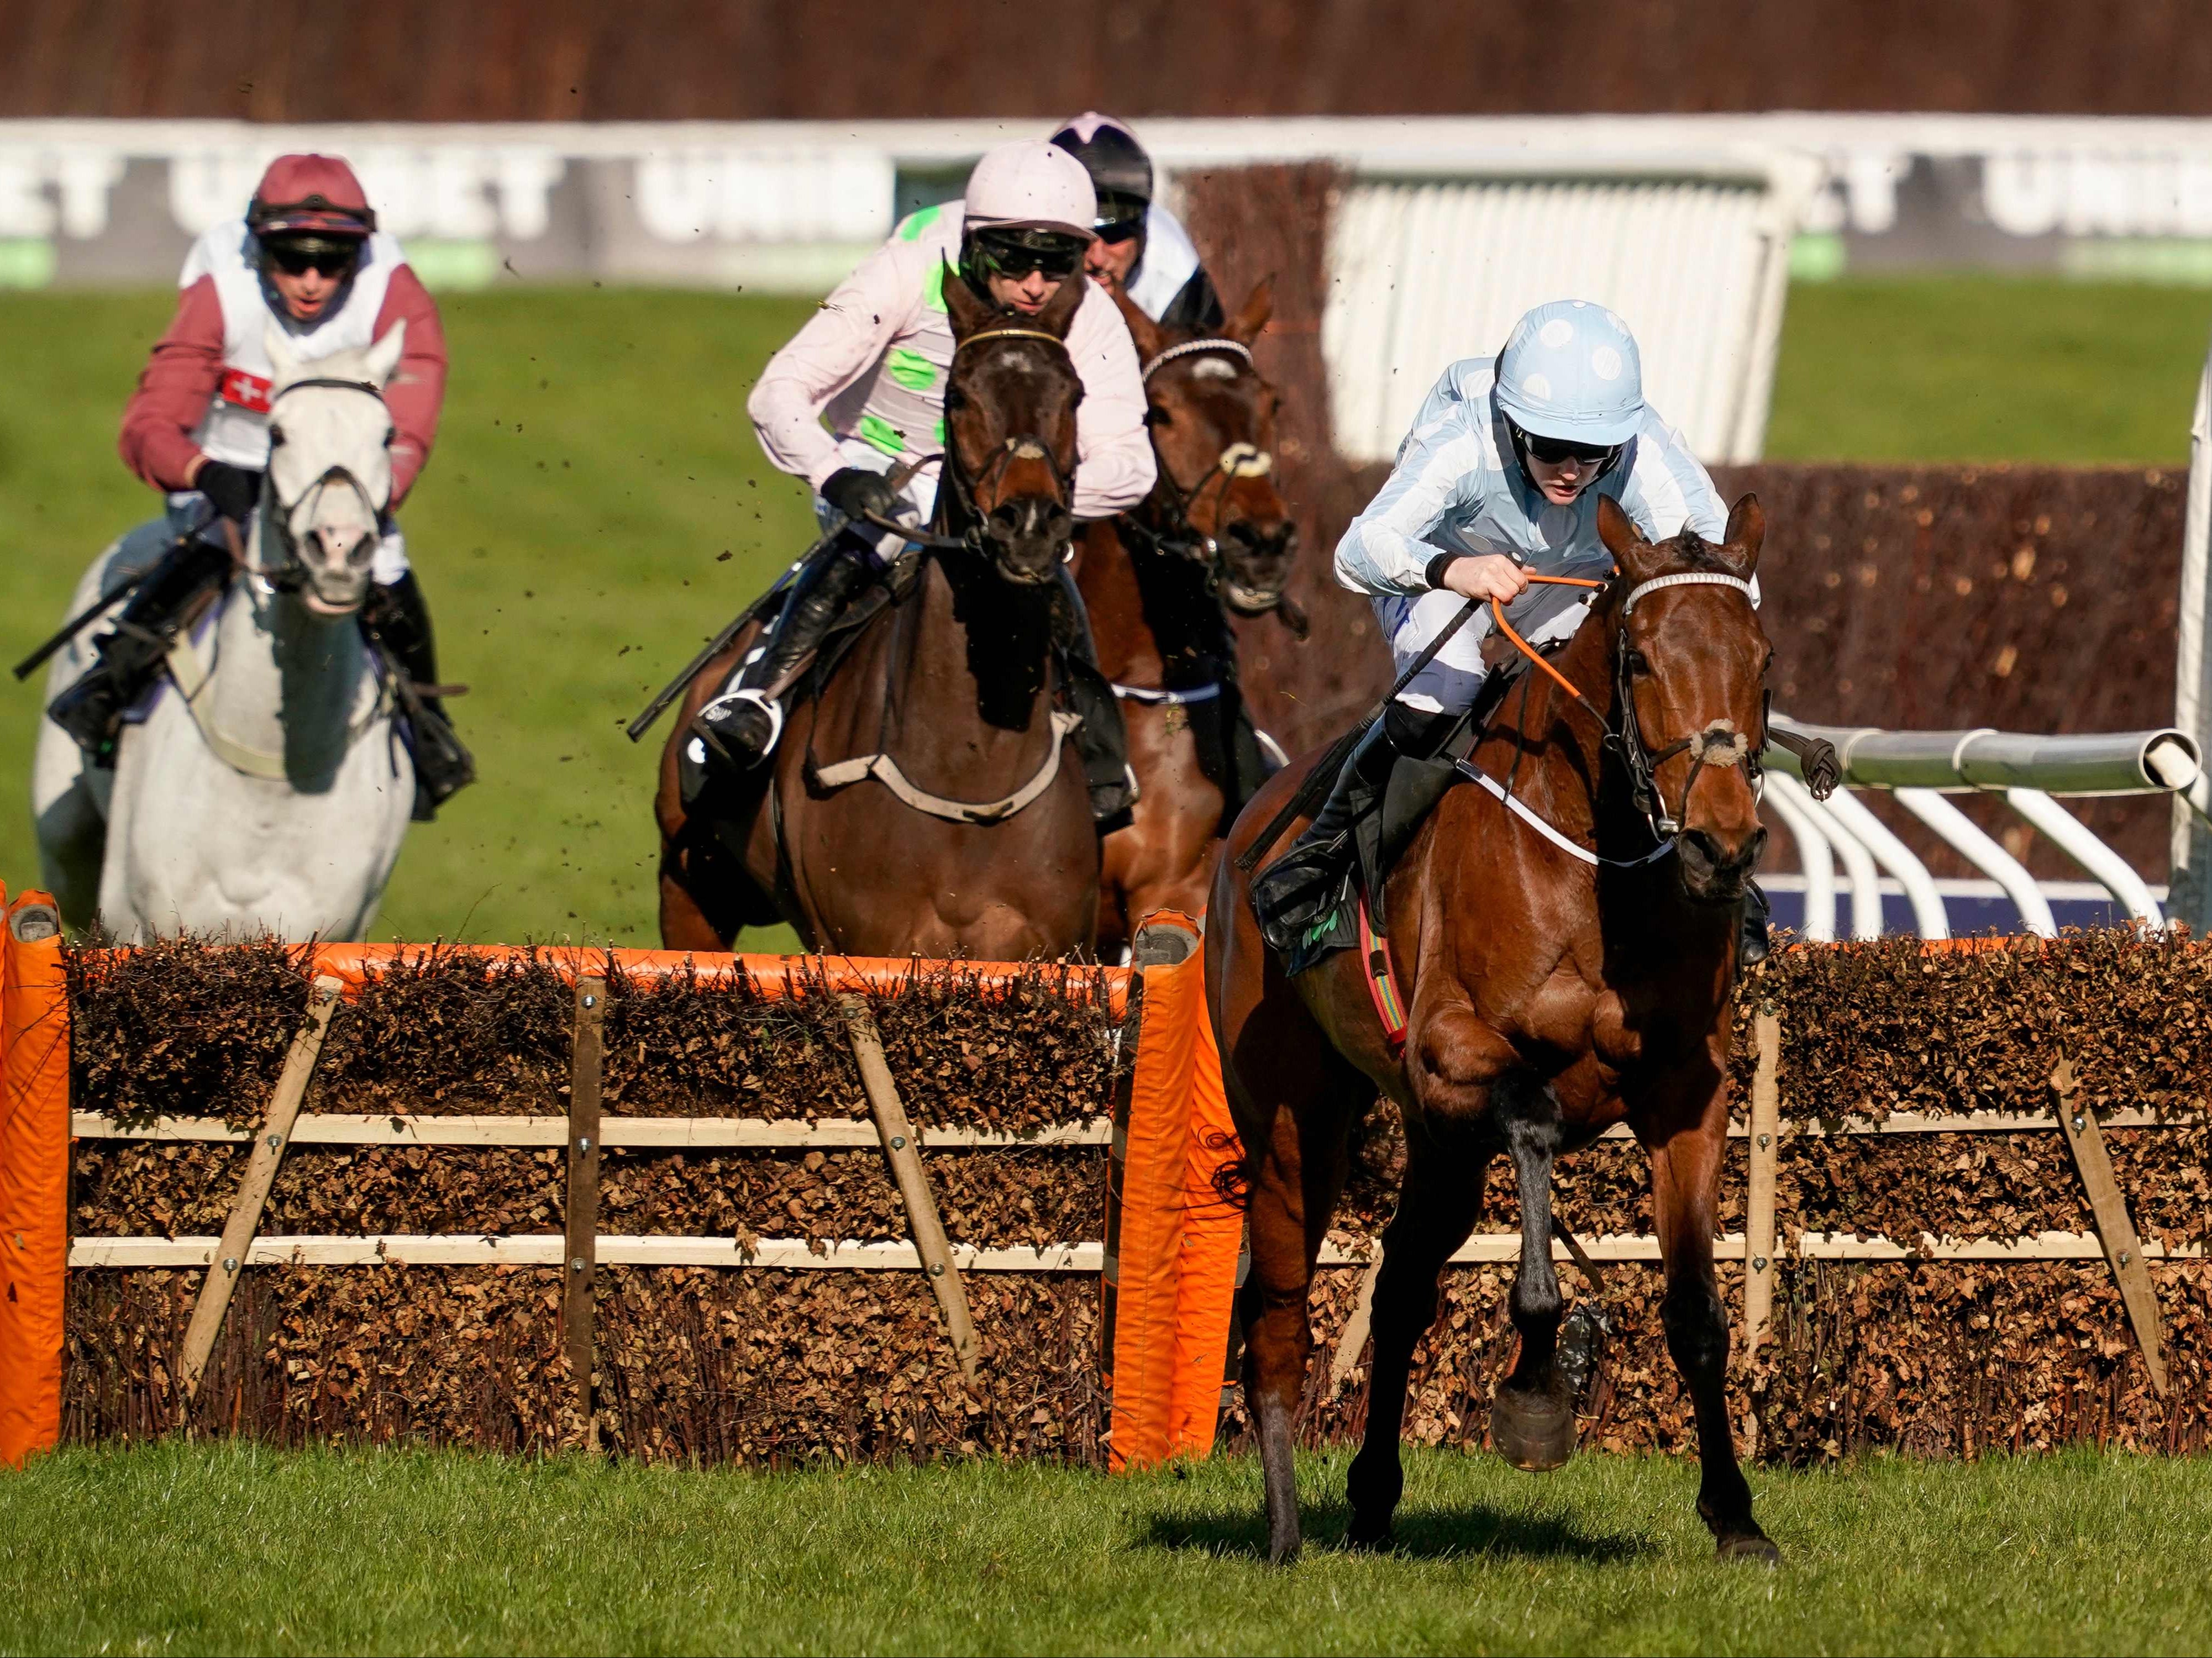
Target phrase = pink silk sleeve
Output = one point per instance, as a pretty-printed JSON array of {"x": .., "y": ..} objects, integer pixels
[{"x": 841, "y": 342}]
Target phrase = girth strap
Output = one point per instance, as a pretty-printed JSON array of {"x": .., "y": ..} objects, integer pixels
[{"x": 886, "y": 770}]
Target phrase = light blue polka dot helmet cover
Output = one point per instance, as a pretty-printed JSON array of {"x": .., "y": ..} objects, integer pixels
[{"x": 1569, "y": 370}]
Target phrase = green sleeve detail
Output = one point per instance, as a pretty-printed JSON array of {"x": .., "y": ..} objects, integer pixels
[
  {"x": 932, "y": 287},
  {"x": 917, "y": 222},
  {"x": 910, "y": 369},
  {"x": 940, "y": 432},
  {"x": 874, "y": 429}
]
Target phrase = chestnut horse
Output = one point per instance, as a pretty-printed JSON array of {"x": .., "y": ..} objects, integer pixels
[
  {"x": 925, "y": 796},
  {"x": 1214, "y": 532},
  {"x": 1552, "y": 993}
]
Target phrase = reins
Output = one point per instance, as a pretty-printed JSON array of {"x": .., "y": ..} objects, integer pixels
[{"x": 1718, "y": 742}]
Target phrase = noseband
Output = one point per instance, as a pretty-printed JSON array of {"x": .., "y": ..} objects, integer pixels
[{"x": 287, "y": 576}]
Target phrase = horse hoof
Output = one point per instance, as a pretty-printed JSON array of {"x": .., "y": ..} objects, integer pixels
[
  {"x": 1753, "y": 1548},
  {"x": 1281, "y": 1553},
  {"x": 1372, "y": 1535},
  {"x": 1535, "y": 1432}
]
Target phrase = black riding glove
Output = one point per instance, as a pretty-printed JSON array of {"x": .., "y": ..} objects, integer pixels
[
  {"x": 855, "y": 491},
  {"x": 235, "y": 490}
]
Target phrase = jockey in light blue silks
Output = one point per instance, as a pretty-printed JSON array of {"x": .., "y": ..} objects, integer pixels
[{"x": 1499, "y": 478}]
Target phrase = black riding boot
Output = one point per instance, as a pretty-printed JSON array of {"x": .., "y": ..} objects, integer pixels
[
  {"x": 1299, "y": 890},
  {"x": 91, "y": 711},
  {"x": 1102, "y": 739},
  {"x": 1751, "y": 939},
  {"x": 398, "y": 618},
  {"x": 739, "y": 727}
]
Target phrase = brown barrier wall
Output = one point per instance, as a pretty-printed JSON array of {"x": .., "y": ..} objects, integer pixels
[
  {"x": 528, "y": 60},
  {"x": 1927, "y": 1356}
]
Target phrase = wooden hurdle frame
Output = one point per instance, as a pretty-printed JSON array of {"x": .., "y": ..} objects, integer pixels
[{"x": 1170, "y": 1258}]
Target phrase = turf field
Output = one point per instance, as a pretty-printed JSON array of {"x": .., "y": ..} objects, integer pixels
[
  {"x": 596, "y": 506},
  {"x": 228, "y": 1548}
]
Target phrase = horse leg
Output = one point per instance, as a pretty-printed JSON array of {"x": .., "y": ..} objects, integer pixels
[
  {"x": 1294, "y": 1185},
  {"x": 1532, "y": 1418},
  {"x": 1685, "y": 1188},
  {"x": 1438, "y": 1205}
]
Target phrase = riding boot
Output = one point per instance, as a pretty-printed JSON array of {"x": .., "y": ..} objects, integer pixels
[
  {"x": 1299, "y": 891},
  {"x": 398, "y": 618},
  {"x": 91, "y": 711},
  {"x": 1102, "y": 739},
  {"x": 1751, "y": 943},
  {"x": 739, "y": 728}
]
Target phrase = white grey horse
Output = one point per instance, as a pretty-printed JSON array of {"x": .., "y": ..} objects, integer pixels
[{"x": 264, "y": 791}]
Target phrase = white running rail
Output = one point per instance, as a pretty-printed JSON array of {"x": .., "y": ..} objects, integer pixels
[{"x": 1921, "y": 768}]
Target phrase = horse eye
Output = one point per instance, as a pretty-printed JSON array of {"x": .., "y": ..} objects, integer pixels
[
  {"x": 955, "y": 399},
  {"x": 1635, "y": 662},
  {"x": 1155, "y": 415}
]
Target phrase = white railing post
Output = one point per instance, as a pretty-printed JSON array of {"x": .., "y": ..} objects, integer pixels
[
  {"x": 1866, "y": 884},
  {"x": 1928, "y": 912},
  {"x": 2190, "y": 884},
  {"x": 1964, "y": 836},
  {"x": 1815, "y": 857},
  {"x": 2072, "y": 837}
]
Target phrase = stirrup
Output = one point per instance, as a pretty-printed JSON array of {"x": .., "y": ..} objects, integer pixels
[{"x": 703, "y": 735}]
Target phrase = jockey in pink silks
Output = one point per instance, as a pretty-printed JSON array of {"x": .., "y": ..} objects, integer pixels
[{"x": 860, "y": 392}]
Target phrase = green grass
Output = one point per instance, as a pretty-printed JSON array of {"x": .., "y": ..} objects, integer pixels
[
  {"x": 594, "y": 467},
  {"x": 596, "y": 463},
  {"x": 230, "y": 1548},
  {"x": 1937, "y": 368}
]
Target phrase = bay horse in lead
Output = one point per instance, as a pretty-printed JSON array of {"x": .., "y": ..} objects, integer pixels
[
  {"x": 926, "y": 797},
  {"x": 1559, "y": 982},
  {"x": 1212, "y": 536}
]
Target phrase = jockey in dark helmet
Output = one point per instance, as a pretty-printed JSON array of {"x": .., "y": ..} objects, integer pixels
[
  {"x": 308, "y": 255},
  {"x": 1140, "y": 248},
  {"x": 860, "y": 391}
]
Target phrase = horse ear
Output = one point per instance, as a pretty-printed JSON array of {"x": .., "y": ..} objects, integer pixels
[
  {"x": 283, "y": 366},
  {"x": 1244, "y": 327},
  {"x": 383, "y": 357},
  {"x": 1144, "y": 332},
  {"x": 967, "y": 309},
  {"x": 1058, "y": 313},
  {"x": 1636, "y": 558},
  {"x": 1747, "y": 533}
]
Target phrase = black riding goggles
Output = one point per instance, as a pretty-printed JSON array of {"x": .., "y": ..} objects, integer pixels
[
  {"x": 1557, "y": 452},
  {"x": 299, "y": 261},
  {"x": 1056, "y": 259}
]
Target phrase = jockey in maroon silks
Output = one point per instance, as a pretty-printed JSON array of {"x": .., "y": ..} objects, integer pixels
[{"x": 308, "y": 259}]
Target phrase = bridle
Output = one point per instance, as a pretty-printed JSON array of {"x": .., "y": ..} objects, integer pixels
[
  {"x": 1020, "y": 445},
  {"x": 1177, "y": 535},
  {"x": 1718, "y": 743},
  {"x": 275, "y": 511}
]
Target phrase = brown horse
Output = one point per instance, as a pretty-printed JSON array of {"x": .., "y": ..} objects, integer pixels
[
  {"x": 1552, "y": 994},
  {"x": 925, "y": 797},
  {"x": 1214, "y": 532}
]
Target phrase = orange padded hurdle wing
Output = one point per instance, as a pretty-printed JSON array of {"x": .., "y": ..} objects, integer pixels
[
  {"x": 34, "y": 1146},
  {"x": 1147, "y": 1272}
]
